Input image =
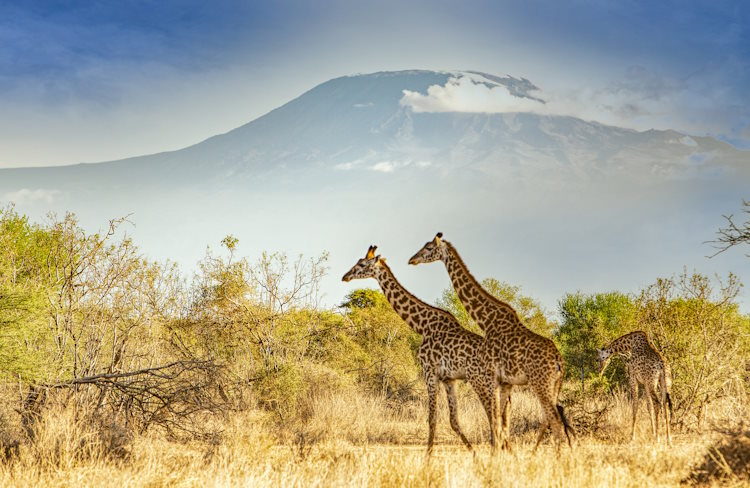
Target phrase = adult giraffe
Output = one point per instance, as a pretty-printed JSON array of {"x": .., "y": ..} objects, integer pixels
[
  {"x": 519, "y": 355},
  {"x": 448, "y": 351}
]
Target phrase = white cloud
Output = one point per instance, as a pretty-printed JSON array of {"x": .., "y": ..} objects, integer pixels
[
  {"x": 25, "y": 195},
  {"x": 638, "y": 99},
  {"x": 384, "y": 167},
  {"x": 423, "y": 164},
  {"x": 345, "y": 166},
  {"x": 463, "y": 94}
]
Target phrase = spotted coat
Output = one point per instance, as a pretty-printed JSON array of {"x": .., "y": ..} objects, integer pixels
[
  {"x": 519, "y": 355},
  {"x": 448, "y": 351},
  {"x": 647, "y": 367}
]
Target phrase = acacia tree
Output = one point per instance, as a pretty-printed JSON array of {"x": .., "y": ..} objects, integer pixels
[
  {"x": 25, "y": 347},
  {"x": 588, "y": 322},
  {"x": 702, "y": 334},
  {"x": 86, "y": 313},
  {"x": 258, "y": 318},
  {"x": 734, "y": 233}
]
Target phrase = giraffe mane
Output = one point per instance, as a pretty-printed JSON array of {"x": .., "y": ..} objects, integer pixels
[{"x": 479, "y": 286}]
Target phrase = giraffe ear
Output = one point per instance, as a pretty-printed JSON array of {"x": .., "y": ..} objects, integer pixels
[
  {"x": 371, "y": 252},
  {"x": 378, "y": 258}
]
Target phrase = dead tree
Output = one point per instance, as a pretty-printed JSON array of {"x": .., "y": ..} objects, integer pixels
[
  {"x": 171, "y": 397},
  {"x": 733, "y": 234}
]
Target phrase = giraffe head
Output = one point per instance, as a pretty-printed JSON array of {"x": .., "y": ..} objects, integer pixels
[
  {"x": 365, "y": 267},
  {"x": 434, "y": 250},
  {"x": 603, "y": 356}
]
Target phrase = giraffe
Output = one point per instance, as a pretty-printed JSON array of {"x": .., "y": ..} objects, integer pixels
[
  {"x": 519, "y": 356},
  {"x": 448, "y": 351},
  {"x": 647, "y": 367}
]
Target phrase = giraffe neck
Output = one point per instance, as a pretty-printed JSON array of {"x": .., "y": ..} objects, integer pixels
[
  {"x": 407, "y": 306},
  {"x": 477, "y": 301}
]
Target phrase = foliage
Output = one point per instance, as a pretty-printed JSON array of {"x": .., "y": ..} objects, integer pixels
[
  {"x": 133, "y": 342},
  {"x": 699, "y": 329},
  {"x": 25, "y": 345},
  {"x": 590, "y": 322},
  {"x": 387, "y": 345},
  {"x": 364, "y": 298}
]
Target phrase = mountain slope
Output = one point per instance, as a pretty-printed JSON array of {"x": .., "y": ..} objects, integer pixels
[
  {"x": 551, "y": 202},
  {"x": 357, "y": 122}
]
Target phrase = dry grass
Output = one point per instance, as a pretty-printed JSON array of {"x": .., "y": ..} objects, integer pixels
[{"x": 354, "y": 440}]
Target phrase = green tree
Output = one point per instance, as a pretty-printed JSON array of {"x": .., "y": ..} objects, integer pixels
[
  {"x": 590, "y": 321},
  {"x": 387, "y": 345},
  {"x": 25, "y": 345},
  {"x": 705, "y": 339},
  {"x": 364, "y": 298}
]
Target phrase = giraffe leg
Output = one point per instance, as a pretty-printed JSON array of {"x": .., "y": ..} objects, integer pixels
[
  {"x": 542, "y": 430},
  {"x": 486, "y": 392},
  {"x": 432, "y": 410},
  {"x": 551, "y": 414},
  {"x": 504, "y": 410},
  {"x": 634, "y": 399},
  {"x": 650, "y": 406},
  {"x": 452, "y": 408}
]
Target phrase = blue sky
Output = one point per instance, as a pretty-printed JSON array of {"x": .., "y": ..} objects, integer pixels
[{"x": 93, "y": 81}]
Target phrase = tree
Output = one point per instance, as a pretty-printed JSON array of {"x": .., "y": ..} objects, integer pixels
[
  {"x": 364, "y": 298},
  {"x": 386, "y": 346},
  {"x": 702, "y": 334},
  {"x": 589, "y": 322},
  {"x": 25, "y": 346},
  {"x": 733, "y": 234}
]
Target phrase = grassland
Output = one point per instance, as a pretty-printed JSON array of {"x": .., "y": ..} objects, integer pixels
[{"x": 356, "y": 440}]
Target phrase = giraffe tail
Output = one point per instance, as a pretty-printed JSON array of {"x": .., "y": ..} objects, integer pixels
[
  {"x": 666, "y": 384},
  {"x": 669, "y": 402},
  {"x": 569, "y": 430}
]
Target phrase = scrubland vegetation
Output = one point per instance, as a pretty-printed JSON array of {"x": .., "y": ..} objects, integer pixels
[{"x": 115, "y": 370}]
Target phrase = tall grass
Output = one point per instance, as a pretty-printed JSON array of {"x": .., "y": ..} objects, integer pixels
[{"x": 355, "y": 440}]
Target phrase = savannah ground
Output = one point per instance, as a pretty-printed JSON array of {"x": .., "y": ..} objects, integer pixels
[{"x": 363, "y": 441}]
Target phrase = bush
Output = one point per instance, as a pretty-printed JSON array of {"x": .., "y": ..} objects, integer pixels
[
  {"x": 590, "y": 322},
  {"x": 727, "y": 460},
  {"x": 703, "y": 336}
]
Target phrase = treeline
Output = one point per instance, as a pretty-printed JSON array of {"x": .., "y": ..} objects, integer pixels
[{"x": 86, "y": 318}]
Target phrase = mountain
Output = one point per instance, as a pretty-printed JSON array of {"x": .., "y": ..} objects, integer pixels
[{"x": 548, "y": 201}]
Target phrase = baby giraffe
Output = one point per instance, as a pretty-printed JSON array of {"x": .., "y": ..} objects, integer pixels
[
  {"x": 448, "y": 351},
  {"x": 647, "y": 367}
]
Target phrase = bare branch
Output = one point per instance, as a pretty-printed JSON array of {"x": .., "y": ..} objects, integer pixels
[{"x": 733, "y": 234}]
